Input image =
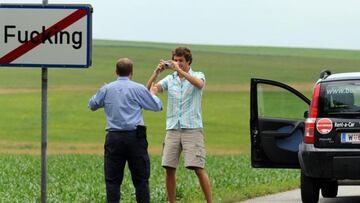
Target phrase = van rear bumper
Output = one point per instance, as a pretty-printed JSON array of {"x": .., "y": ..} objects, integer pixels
[{"x": 329, "y": 163}]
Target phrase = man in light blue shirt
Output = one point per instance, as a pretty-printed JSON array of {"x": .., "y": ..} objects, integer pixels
[
  {"x": 184, "y": 128},
  {"x": 123, "y": 101}
]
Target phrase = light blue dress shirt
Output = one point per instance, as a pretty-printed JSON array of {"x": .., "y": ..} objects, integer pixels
[
  {"x": 123, "y": 101},
  {"x": 184, "y": 101}
]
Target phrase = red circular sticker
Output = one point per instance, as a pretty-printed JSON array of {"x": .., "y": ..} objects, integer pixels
[{"x": 324, "y": 126}]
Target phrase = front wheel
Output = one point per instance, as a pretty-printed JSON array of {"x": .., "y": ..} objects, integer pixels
[{"x": 310, "y": 188}]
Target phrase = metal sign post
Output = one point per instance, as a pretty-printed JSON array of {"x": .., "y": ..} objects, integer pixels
[{"x": 44, "y": 86}]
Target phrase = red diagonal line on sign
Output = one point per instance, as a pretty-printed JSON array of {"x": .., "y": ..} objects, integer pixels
[{"x": 51, "y": 31}]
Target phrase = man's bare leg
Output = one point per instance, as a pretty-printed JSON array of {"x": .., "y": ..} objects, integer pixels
[
  {"x": 205, "y": 183},
  {"x": 171, "y": 184}
]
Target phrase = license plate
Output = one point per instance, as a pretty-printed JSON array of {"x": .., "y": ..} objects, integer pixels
[{"x": 350, "y": 138}]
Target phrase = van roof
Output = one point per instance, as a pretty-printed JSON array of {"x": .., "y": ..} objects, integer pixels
[{"x": 342, "y": 76}]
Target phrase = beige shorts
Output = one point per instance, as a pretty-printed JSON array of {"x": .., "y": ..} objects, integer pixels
[{"x": 191, "y": 141}]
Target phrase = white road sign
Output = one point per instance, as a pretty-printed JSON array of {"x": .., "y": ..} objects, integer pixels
[{"x": 45, "y": 36}]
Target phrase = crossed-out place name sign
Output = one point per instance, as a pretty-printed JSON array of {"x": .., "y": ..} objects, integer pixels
[{"x": 45, "y": 35}]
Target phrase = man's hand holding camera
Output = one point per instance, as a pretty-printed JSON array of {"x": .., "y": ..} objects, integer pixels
[{"x": 164, "y": 65}]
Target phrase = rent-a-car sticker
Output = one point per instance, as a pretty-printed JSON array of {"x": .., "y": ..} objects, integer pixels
[
  {"x": 344, "y": 124},
  {"x": 324, "y": 126}
]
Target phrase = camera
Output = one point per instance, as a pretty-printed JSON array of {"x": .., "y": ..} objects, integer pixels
[{"x": 168, "y": 64}]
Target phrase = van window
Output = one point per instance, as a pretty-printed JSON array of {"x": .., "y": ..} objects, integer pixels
[
  {"x": 277, "y": 102},
  {"x": 339, "y": 98}
]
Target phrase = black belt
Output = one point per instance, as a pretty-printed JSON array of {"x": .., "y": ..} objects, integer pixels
[
  {"x": 140, "y": 131},
  {"x": 121, "y": 131}
]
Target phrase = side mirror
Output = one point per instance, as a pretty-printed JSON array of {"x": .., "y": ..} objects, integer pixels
[{"x": 306, "y": 114}]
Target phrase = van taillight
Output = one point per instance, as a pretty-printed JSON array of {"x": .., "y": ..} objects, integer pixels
[
  {"x": 310, "y": 122},
  {"x": 309, "y": 130}
]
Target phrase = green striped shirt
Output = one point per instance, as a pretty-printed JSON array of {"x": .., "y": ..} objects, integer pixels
[{"x": 184, "y": 101}]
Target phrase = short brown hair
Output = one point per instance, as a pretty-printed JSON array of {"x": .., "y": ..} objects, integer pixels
[
  {"x": 183, "y": 51},
  {"x": 124, "y": 67}
]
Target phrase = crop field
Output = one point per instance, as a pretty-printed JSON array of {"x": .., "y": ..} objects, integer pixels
[
  {"x": 76, "y": 135},
  {"x": 79, "y": 178}
]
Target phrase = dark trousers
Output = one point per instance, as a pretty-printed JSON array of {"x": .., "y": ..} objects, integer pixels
[{"x": 119, "y": 148}]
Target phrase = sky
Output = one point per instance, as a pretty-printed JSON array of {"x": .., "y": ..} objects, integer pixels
[{"x": 330, "y": 24}]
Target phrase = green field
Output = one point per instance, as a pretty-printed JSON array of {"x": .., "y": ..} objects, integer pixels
[
  {"x": 225, "y": 103},
  {"x": 79, "y": 178},
  {"x": 74, "y": 129}
]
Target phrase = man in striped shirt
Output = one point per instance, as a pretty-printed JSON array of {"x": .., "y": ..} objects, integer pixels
[{"x": 184, "y": 128}]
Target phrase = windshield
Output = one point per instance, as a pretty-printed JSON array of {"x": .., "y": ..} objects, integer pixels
[{"x": 340, "y": 98}]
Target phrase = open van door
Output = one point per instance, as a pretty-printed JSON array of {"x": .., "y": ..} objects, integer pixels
[{"x": 277, "y": 115}]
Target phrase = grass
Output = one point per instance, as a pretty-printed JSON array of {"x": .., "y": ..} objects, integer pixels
[
  {"x": 242, "y": 50},
  {"x": 225, "y": 101},
  {"x": 70, "y": 121},
  {"x": 220, "y": 67},
  {"x": 72, "y": 128},
  {"x": 79, "y": 178}
]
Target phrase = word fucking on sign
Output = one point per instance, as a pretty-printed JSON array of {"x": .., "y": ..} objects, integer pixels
[{"x": 45, "y": 35}]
